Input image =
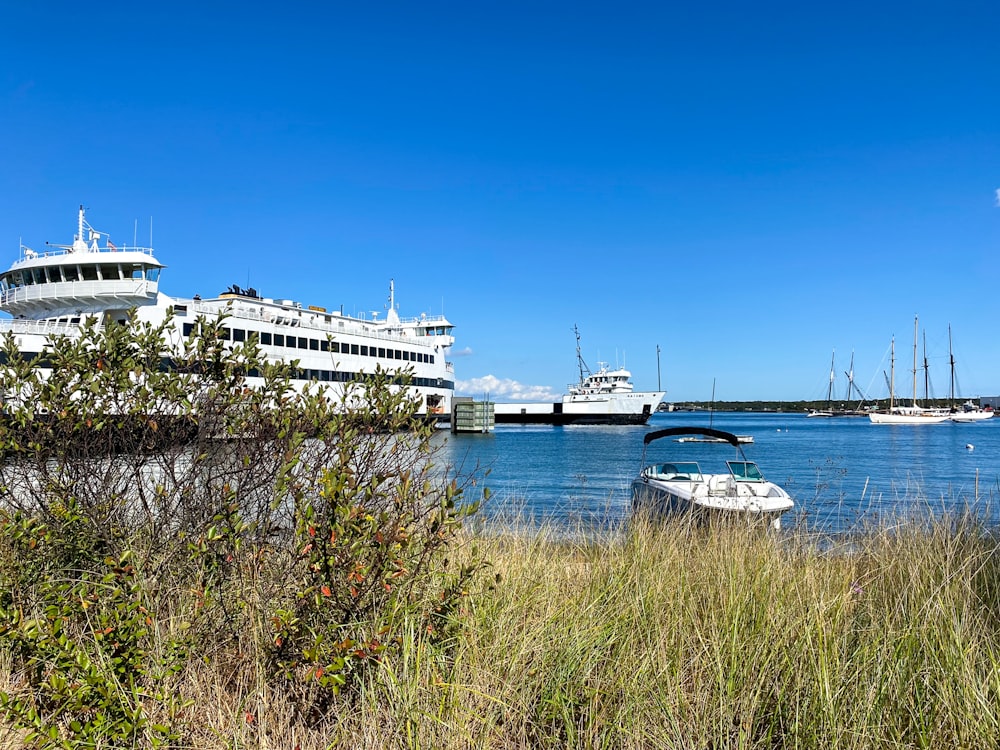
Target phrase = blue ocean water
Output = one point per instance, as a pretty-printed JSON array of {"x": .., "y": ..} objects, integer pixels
[{"x": 840, "y": 471}]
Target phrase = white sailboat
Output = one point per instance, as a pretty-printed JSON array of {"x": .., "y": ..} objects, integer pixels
[
  {"x": 967, "y": 412},
  {"x": 915, "y": 413}
]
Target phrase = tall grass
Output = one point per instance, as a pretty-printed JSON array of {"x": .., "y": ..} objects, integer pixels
[{"x": 675, "y": 637}]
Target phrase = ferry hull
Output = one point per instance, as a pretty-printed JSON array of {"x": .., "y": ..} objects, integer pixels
[
  {"x": 616, "y": 408},
  {"x": 554, "y": 418}
]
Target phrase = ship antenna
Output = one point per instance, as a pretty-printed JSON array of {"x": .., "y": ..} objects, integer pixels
[{"x": 579, "y": 357}]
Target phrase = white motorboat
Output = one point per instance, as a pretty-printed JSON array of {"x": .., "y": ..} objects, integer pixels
[
  {"x": 703, "y": 439},
  {"x": 681, "y": 487},
  {"x": 53, "y": 292},
  {"x": 969, "y": 412},
  {"x": 602, "y": 397}
]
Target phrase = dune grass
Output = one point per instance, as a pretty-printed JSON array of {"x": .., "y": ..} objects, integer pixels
[{"x": 672, "y": 637}]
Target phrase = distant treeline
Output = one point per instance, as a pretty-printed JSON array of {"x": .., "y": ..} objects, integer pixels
[{"x": 794, "y": 406}]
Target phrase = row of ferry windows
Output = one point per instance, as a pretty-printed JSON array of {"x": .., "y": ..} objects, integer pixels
[
  {"x": 84, "y": 272},
  {"x": 319, "y": 345}
]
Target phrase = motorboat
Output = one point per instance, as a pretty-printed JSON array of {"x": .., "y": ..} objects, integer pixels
[
  {"x": 680, "y": 486},
  {"x": 704, "y": 439}
]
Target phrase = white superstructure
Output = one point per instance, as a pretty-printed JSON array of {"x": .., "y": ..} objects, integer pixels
[{"x": 54, "y": 291}]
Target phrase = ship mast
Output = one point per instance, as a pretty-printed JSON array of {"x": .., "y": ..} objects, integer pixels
[{"x": 579, "y": 357}]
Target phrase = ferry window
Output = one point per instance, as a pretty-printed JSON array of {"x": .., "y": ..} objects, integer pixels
[
  {"x": 381, "y": 352},
  {"x": 364, "y": 350},
  {"x": 89, "y": 272},
  {"x": 324, "y": 345},
  {"x": 334, "y": 347},
  {"x": 152, "y": 274},
  {"x": 74, "y": 320},
  {"x": 279, "y": 339},
  {"x": 188, "y": 329},
  {"x": 430, "y": 359},
  {"x": 239, "y": 334},
  {"x": 354, "y": 348},
  {"x": 72, "y": 273},
  {"x": 110, "y": 273},
  {"x": 39, "y": 274},
  {"x": 265, "y": 338},
  {"x": 314, "y": 345},
  {"x": 303, "y": 343},
  {"x": 224, "y": 334}
]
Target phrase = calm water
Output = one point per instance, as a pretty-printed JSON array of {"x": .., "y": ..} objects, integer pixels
[{"x": 838, "y": 470}]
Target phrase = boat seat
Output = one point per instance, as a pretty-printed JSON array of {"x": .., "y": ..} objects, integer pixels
[{"x": 720, "y": 485}]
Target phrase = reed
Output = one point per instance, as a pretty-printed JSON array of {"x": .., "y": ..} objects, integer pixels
[{"x": 670, "y": 636}]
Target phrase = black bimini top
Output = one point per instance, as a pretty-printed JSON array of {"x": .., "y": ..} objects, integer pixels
[{"x": 706, "y": 431}]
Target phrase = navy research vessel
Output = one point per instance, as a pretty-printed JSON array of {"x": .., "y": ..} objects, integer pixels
[
  {"x": 602, "y": 397},
  {"x": 53, "y": 292}
]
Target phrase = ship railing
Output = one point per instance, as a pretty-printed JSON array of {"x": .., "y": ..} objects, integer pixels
[
  {"x": 42, "y": 327},
  {"x": 55, "y": 251},
  {"x": 295, "y": 318},
  {"x": 64, "y": 291},
  {"x": 424, "y": 319}
]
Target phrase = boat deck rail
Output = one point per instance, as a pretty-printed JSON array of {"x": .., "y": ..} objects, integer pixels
[
  {"x": 322, "y": 322},
  {"x": 42, "y": 327},
  {"x": 63, "y": 292},
  {"x": 54, "y": 251}
]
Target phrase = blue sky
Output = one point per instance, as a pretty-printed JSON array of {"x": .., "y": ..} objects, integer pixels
[{"x": 748, "y": 186}]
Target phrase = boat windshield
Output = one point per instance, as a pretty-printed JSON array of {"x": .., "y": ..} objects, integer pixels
[
  {"x": 745, "y": 471},
  {"x": 680, "y": 471}
]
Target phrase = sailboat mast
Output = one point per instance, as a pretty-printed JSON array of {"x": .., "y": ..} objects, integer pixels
[
  {"x": 927, "y": 371},
  {"x": 951, "y": 362},
  {"x": 914, "y": 360},
  {"x": 892, "y": 371},
  {"x": 833, "y": 374}
]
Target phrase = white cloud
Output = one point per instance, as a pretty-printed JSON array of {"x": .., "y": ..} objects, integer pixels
[
  {"x": 504, "y": 389},
  {"x": 466, "y": 352},
  {"x": 998, "y": 197}
]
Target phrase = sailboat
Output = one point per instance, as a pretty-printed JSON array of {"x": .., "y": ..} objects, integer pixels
[
  {"x": 830, "y": 411},
  {"x": 913, "y": 414},
  {"x": 710, "y": 438},
  {"x": 968, "y": 412}
]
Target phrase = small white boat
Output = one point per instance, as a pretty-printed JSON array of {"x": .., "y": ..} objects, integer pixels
[
  {"x": 969, "y": 412},
  {"x": 703, "y": 439},
  {"x": 679, "y": 486}
]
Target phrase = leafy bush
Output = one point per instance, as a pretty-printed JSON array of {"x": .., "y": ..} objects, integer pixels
[{"x": 157, "y": 511}]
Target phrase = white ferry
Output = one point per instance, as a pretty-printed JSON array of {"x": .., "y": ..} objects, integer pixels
[
  {"x": 53, "y": 292},
  {"x": 602, "y": 397}
]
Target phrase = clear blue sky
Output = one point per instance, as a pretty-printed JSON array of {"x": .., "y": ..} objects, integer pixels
[{"x": 748, "y": 186}]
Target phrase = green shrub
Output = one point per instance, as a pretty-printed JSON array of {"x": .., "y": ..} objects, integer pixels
[{"x": 156, "y": 513}]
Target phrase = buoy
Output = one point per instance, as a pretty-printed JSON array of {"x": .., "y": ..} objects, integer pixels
[{"x": 970, "y": 447}]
